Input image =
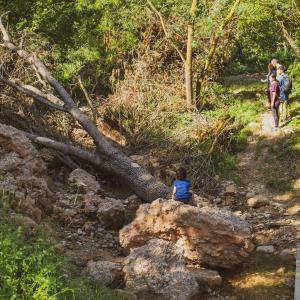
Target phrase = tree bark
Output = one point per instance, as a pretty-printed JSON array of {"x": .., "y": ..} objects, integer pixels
[
  {"x": 107, "y": 157},
  {"x": 188, "y": 66},
  {"x": 187, "y": 60}
]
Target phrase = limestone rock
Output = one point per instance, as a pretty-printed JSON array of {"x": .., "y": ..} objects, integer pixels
[
  {"x": 25, "y": 173},
  {"x": 257, "y": 201},
  {"x": 111, "y": 213},
  {"x": 207, "y": 278},
  {"x": 207, "y": 235},
  {"x": 106, "y": 273},
  {"x": 84, "y": 180},
  {"x": 266, "y": 249},
  {"x": 157, "y": 271}
]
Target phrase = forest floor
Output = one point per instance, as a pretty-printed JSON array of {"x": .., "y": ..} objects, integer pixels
[{"x": 267, "y": 169}]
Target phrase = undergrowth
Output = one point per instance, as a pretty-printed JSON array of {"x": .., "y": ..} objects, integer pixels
[{"x": 205, "y": 141}]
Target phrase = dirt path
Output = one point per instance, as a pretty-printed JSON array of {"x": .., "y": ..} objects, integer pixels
[{"x": 266, "y": 275}]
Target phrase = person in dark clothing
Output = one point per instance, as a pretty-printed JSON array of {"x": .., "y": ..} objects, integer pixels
[
  {"x": 275, "y": 102},
  {"x": 181, "y": 187}
]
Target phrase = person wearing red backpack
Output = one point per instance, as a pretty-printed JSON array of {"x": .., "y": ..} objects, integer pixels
[{"x": 285, "y": 86}]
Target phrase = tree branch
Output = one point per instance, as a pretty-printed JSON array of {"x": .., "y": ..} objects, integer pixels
[
  {"x": 64, "y": 148},
  {"x": 34, "y": 93},
  {"x": 289, "y": 39}
]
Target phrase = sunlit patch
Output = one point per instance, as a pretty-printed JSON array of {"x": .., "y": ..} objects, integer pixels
[{"x": 259, "y": 280}]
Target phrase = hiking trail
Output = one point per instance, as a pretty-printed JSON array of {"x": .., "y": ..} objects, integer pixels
[{"x": 265, "y": 175}]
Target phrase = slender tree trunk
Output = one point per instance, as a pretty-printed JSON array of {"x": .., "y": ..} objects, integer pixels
[
  {"x": 289, "y": 39},
  {"x": 188, "y": 66},
  {"x": 188, "y": 83}
]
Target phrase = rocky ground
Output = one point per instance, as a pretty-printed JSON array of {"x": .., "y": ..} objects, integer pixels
[{"x": 180, "y": 251}]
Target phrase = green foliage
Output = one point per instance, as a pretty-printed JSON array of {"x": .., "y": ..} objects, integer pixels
[{"x": 28, "y": 270}]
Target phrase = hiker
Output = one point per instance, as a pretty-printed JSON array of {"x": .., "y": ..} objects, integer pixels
[
  {"x": 276, "y": 66},
  {"x": 181, "y": 187},
  {"x": 285, "y": 85},
  {"x": 275, "y": 102},
  {"x": 271, "y": 70}
]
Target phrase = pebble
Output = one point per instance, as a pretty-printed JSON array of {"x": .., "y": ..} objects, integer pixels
[
  {"x": 257, "y": 201},
  {"x": 266, "y": 249},
  {"x": 286, "y": 254},
  {"x": 290, "y": 282},
  {"x": 218, "y": 201}
]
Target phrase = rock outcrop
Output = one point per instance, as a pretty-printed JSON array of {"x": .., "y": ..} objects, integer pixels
[
  {"x": 210, "y": 236},
  {"x": 24, "y": 174},
  {"x": 157, "y": 271}
]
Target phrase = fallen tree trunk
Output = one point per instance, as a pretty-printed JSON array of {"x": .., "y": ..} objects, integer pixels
[{"x": 106, "y": 157}]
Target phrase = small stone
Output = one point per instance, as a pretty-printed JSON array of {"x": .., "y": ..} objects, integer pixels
[
  {"x": 280, "y": 270},
  {"x": 286, "y": 254},
  {"x": 218, "y": 201},
  {"x": 206, "y": 278},
  {"x": 238, "y": 213},
  {"x": 79, "y": 231},
  {"x": 266, "y": 249},
  {"x": 231, "y": 189},
  {"x": 257, "y": 201},
  {"x": 290, "y": 282}
]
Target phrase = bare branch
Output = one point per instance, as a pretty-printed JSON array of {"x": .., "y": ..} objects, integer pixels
[
  {"x": 33, "y": 92},
  {"x": 64, "y": 148}
]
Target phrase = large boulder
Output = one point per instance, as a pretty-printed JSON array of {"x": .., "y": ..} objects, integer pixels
[
  {"x": 207, "y": 235},
  {"x": 157, "y": 271}
]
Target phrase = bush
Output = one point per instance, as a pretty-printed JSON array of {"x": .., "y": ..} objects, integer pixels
[{"x": 28, "y": 269}]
